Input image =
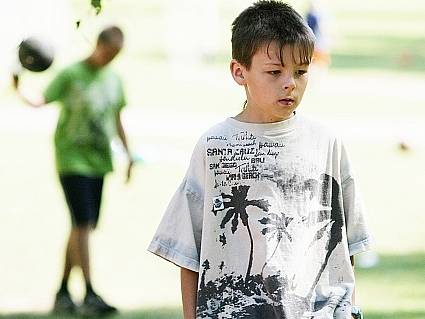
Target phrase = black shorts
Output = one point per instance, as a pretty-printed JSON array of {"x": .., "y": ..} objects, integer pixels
[{"x": 83, "y": 195}]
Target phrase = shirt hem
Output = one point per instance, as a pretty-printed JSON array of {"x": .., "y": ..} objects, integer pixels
[
  {"x": 359, "y": 247},
  {"x": 79, "y": 171},
  {"x": 173, "y": 256}
]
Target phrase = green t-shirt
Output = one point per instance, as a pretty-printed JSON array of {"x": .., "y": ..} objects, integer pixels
[{"x": 91, "y": 100}]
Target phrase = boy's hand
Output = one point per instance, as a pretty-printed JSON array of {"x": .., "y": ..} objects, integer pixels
[
  {"x": 129, "y": 169},
  {"x": 16, "y": 72},
  {"x": 15, "y": 80}
]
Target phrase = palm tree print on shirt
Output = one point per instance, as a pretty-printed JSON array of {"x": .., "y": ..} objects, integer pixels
[
  {"x": 237, "y": 204},
  {"x": 275, "y": 225},
  {"x": 331, "y": 192},
  {"x": 231, "y": 295}
]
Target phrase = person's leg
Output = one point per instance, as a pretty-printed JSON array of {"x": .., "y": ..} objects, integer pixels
[
  {"x": 71, "y": 258},
  {"x": 93, "y": 304},
  {"x": 77, "y": 255},
  {"x": 83, "y": 195},
  {"x": 94, "y": 197},
  {"x": 63, "y": 301},
  {"x": 77, "y": 190},
  {"x": 82, "y": 243}
]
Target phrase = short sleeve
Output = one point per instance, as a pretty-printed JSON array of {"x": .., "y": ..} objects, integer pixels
[
  {"x": 358, "y": 235},
  {"x": 57, "y": 87},
  {"x": 178, "y": 237}
]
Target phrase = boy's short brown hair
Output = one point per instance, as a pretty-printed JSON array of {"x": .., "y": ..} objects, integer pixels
[
  {"x": 269, "y": 21},
  {"x": 111, "y": 35}
]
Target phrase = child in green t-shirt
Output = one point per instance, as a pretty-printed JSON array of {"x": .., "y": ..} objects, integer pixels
[{"x": 91, "y": 98}]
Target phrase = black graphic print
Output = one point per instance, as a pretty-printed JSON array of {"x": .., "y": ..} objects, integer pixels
[
  {"x": 271, "y": 295},
  {"x": 336, "y": 222},
  {"x": 237, "y": 205},
  {"x": 276, "y": 227},
  {"x": 264, "y": 205}
]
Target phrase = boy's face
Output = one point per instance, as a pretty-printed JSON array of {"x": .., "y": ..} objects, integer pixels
[
  {"x": 106, "y": 53},
  {"x": 273, "y": 90}
]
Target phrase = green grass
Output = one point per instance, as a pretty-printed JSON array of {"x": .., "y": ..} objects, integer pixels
[
  {"x": 163, "y": 313},
  {"x": 396, "y": 285},
  {"x": 391, "y": 52},
  {"x": 399, "y": 277},
  {"x": 379, "y": 35}
]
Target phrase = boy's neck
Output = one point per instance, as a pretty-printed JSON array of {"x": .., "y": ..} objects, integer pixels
[{"x": 246, "y": 117}]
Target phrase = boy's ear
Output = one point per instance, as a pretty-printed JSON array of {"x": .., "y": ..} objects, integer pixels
[{"x": 238, "y": 71}]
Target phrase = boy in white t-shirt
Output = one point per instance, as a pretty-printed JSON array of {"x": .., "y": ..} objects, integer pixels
[{"x": 267, "y": 218}]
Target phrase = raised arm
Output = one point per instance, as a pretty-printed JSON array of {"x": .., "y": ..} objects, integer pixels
[
  {"x": 189, "y": 289},
  {"x": 30, "y": 98}
]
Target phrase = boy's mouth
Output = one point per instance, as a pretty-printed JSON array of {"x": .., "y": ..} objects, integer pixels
[{"x": 287, "y": 101}]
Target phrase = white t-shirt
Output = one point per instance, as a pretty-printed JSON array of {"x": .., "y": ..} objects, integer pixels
[{"x": 268, "y": 214}]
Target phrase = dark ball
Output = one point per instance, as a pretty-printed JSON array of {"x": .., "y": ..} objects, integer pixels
[{"x": 35, "y": 55}]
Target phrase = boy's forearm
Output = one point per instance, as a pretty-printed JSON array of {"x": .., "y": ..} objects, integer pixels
[
  {"x": 353, "y": 298},
  {"x": 122, "y": 136},
  {"x": 189, "y": 289},
  {"x": 34, "y": 100}
]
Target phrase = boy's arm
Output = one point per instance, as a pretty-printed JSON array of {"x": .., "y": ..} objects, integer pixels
[
  {"x": 353, "y": 298},
  {"x": 32, "y": 100},
  {"x": 189, "y": 289},
  {"x": 123, "y": 137}
]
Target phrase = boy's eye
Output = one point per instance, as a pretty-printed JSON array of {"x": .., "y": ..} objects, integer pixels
[
  {"x": 274, "y": 72},
  {"x": 301, "y": 72}
]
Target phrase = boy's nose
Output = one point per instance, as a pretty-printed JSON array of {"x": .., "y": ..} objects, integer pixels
[{"x": 289, "y": 83}]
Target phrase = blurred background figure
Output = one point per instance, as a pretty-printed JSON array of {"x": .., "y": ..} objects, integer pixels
[
  {"x": 368, "y": 259},
  {"x": 91, "y": 96},
  {"x": 318, "y": 20}
]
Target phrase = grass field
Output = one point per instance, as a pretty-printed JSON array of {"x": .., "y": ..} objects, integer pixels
[
  {"x": 371, "y": 98},
  {"x": 395, "y": 275}
]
